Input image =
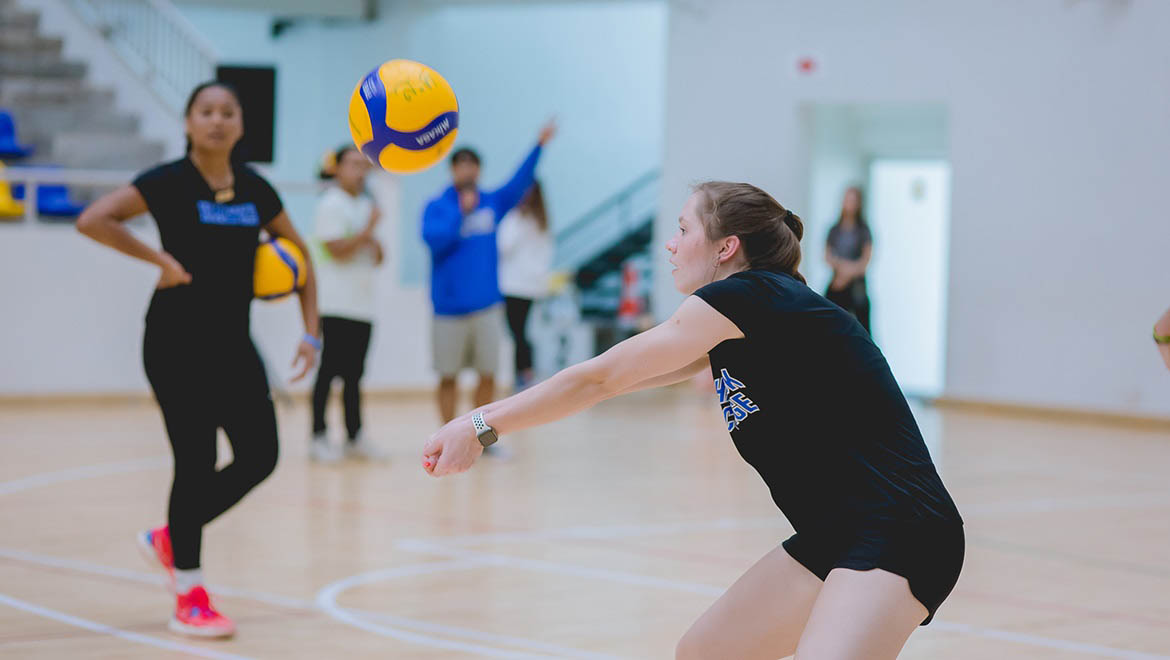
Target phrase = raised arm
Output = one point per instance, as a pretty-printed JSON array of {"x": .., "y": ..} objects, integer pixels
[
  {"x": 661, "y": 355},
  {"x": 507, "y": 197}
]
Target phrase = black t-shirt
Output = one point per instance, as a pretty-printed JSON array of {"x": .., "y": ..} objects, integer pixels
[
  {"x": 850, "y": 244},
  {"x": 811, "y": 404},
  {"x": 215, "y": 242}
]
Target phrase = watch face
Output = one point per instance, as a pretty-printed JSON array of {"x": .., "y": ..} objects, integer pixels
[{"x": 488, "y": 437}]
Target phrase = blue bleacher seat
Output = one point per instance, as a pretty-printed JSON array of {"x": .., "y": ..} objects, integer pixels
[
  {"x": 9, "y": 147},
  {"x": 52, "y": 200}
]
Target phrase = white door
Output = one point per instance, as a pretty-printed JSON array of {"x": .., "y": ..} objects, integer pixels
[{"x": 908, "y": 211}]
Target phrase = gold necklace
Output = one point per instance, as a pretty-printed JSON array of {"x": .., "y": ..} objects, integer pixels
[
  {"x": 225, "y": 194},
  {"x": 228, "y": 192}
]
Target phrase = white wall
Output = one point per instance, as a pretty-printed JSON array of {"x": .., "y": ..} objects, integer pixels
[
  {"x": 597, "y": 66},
  {"x": 1057, "y": 140}
]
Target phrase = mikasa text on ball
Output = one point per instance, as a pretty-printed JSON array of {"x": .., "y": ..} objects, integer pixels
[{"x": 403, "y": 116}]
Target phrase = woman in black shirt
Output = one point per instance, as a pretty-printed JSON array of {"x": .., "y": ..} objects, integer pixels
[
  {"x": 848, "y": 250},
  {"x": 197, "y": 350},
  {"x": 879, "y": 542}
]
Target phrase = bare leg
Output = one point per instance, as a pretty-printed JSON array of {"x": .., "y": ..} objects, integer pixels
[
  {"x": 760, "y": 616},
  {"x": 447, "y": 398},
  {"x": 860, "y": 614},
  {"x": 485, "y": 392}
]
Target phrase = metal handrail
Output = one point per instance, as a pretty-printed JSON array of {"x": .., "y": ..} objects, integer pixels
[
  {"x": 607, "y": 222},
  {"x": 33, "y": 176},
  {"x": 609, "y": 203},
  {"x": 153, "y": 38},
  {"x": 168, "y": 9}
]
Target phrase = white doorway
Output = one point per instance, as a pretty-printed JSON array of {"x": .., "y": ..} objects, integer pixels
[{"x": 908, "y": 207}]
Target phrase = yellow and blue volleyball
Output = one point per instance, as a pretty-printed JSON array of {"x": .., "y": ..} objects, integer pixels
[
  {"x": 403, "y": 116},
  {"x": 280, "y": 269}
]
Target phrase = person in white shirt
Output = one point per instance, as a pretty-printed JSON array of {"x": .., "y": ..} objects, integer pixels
[
  {"x": 526, "y": 254},
  {"x": 348, "y": 253}
]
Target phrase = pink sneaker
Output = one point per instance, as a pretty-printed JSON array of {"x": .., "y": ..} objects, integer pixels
[
  {"x": 195, "y": 616},
  {"x": 155, "y": 545}
]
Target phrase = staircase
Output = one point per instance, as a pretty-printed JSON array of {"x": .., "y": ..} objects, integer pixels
[
  {"x": 67, "y": 120},
  {"x": 597, "y": 246}
]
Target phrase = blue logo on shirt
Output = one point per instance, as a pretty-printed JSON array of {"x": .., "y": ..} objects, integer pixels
[
  {"x": 736, "y": 406},
  {"x": 232, "y": 215},
  {"x": 478, "y": 222}
]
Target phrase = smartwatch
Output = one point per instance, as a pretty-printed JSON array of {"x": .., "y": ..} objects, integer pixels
[{"x": 486, "y": 434}]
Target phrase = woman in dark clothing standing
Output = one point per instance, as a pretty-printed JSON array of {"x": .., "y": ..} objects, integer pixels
[
  {"x": 848, "y": 250},
  {"x": 197, "y": 350}
]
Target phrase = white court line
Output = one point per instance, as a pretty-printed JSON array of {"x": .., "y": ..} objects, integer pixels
[
  {"x": 349, "y": 614},
  {"x": 616, "y": 531},
  {"x": 357, "y": 618},
  {"x": 507, "y": 640},
  {"x": 86, "y": 472},
  {"x": 435, "y": 546},
  {"x": 540, "y": 565},
  {"x": 405, "y": 636},
  {"x": 611, "y": 531},
  {"x": 102, "y": 628},
  {"x": 327, "y": 601}
]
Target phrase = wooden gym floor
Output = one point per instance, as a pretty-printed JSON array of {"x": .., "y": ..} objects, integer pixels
[{"x": 601, "y": 536}]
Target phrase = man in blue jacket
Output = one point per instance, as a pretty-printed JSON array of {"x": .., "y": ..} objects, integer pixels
[{"x": 459, "y": 226}]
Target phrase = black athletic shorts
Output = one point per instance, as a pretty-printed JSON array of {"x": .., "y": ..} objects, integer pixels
[{"x": 928, "y": 555}]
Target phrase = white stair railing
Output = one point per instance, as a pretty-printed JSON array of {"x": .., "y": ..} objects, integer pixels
[
  {"x": 32, "y": 177},
  {"x": 154, "y": 39}
]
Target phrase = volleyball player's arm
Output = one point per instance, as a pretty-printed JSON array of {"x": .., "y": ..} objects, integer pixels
[
  {"x": 667, "y": 348},
  {"x": 103, "y": 222},
  {"x": 686, "y": 373},
  {"x": 345, "y": 249},
  {"x": 306, "y": 354},
  {"x": 667, "y": 353},
  {"x": 440, "y": 228},
  {"x": 507, "y": 197},
  {"x": 1162, "y": 327}
]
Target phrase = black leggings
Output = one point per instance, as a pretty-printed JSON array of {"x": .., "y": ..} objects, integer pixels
[
  {"x": 518, "y": 309},
  {"x": 857, "y": 306},
  {"x": 346, "y": 345},
  {"x": 203, "y": 385}
]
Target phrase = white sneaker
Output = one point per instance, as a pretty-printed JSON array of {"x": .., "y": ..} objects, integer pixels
[
  {"x": 321, "y": 451},
  {"x": 361, "y": 448}
]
